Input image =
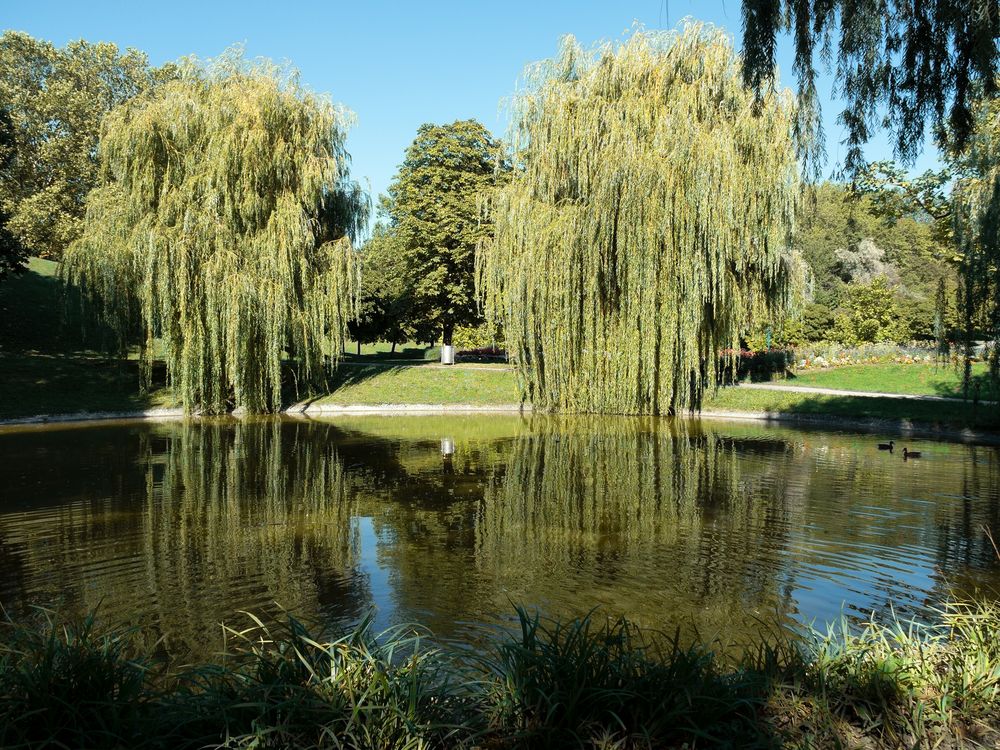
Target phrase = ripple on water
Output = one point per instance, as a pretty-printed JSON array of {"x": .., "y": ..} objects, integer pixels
[{"x": 716, "y": 528}]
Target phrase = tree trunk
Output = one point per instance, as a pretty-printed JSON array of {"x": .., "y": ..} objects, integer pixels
[
  {"x": 359, "y": 348},
  {"x": 393, "y": 350}
]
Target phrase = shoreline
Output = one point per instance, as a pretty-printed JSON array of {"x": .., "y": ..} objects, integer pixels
[
  {"x": 904, "y": 428},
  {"x": 895, "y": 427}
]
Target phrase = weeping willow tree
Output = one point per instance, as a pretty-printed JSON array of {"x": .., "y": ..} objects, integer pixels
[
  {"x": 648, "y": 225},
  {"x": 222, "y": 225},
  {"x": 976, "y": 224}
]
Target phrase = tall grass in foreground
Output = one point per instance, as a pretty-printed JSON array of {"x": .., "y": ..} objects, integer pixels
[{"x": 550, "y": 684}]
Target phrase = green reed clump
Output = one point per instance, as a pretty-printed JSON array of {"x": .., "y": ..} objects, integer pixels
[
  {"x": 898, "y": 685},
  {"x": 576, "y": 683},
  {"x": 288, "y": 689},
  {"x": 67, "y": 684},
  {"x": 586, "y": 683}
]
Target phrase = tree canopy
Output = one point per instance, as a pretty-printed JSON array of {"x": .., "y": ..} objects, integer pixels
[
  {"x": 850, "y": 239},
  {"x": 222, "y": 223},
  {"x": 899, "y": 63},
  {"x": 648, "y": 226},
  {"x": 12, "y": 253},
  {"x": 386, "y": 306},
  {"x": 56, "y": 99},
  {"x": 433, "y": 210}
]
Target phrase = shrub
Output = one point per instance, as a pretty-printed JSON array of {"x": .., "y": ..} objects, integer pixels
[
  {"x": 64, "y": 684},
  {"x": 755, "y": 365},
  {"x": 817, "y": 322},
  {"x": 478, "y": 337}
]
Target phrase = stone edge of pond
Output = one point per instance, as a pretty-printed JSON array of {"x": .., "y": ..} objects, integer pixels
[
  {"x": 309, "y": 410},
  {"x": 92, "y": 416},
  {"x": 897, "y": 427}
]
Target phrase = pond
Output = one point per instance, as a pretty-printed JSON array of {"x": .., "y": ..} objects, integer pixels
[{"x": 449, "y": 521}]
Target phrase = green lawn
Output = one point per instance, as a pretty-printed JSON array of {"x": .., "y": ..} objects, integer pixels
[
  {"x": 918, "y": 379},
  {"x": 380, "y": 384},
  {"x": 41, "y": 383},
  {"x": 409, "y": 350}
]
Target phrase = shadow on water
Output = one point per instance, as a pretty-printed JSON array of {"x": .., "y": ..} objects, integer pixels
[{"x": 447, "y": 521}]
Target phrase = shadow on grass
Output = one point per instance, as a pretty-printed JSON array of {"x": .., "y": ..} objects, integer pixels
[
  {"x": 981, "y": 388},
  {"x": 418, "y": 354},
  {"x": 36, "y": 383},
  {"x": 347, "y": 374},
  {"x": 50, "y": 353},
  {"x": 887, "y": 415}
]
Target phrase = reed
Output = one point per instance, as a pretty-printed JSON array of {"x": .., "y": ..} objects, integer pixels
[{"x": 586, "y": 682}]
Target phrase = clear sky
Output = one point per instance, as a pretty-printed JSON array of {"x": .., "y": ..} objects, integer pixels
[{"x": 395, "y": 64}]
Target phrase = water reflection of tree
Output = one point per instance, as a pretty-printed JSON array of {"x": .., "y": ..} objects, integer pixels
[
  {"x": 667, "y": 524},
  {"x": 247, "y": 515},
  {"x": 201, "y": 520},
  {"x": 184, "y": 524},
  {"x": 965, "y": 549}
]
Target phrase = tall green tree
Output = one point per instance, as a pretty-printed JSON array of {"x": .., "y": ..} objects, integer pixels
[
  {"x": 56, "y": 98},
  {"x": 650, "y": 225},
  {"x": 386, "y": 304},
  {"x": 12, "y": 253},
  {"x": 433, "y": 209},
  {"x": 222, "y": 224},
  {"x": 976, "y": 209}
]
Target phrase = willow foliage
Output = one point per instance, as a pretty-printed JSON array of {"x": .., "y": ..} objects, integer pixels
[
  {"x": 976, "y": 224},
  {"x": 222, "y": 223},
  {"x": 648, "y": 226}
]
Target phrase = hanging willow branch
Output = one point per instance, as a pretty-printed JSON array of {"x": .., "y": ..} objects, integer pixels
[
  {"x": 222, "y": 223},
  {"x": 648, "y": 226},
  {"x": 976, "y": 229}
]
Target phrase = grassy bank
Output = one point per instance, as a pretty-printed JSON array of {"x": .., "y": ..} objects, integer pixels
[
  {"x": 48, "y": 365},
  {"x": 583, "y": 683},
  {"x": 366, "y": 383}
]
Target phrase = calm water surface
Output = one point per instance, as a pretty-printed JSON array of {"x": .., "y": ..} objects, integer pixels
[{"x": 717, "y": 526}]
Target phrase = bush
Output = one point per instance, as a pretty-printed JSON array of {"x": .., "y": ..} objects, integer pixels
[
  {"x": 587, "y": 684},
  {"x": 817, "y": 322},
  {"x": 755, "y": 365},
  {"x": 478, "y": 337},
  {"x": 485, "y": 354}
]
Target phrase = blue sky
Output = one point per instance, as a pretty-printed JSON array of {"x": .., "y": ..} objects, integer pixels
[{"x": 395, "y": 64}]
